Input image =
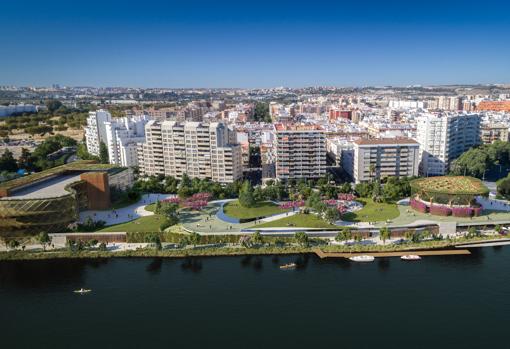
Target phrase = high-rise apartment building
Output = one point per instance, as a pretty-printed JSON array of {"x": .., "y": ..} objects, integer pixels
[
  {"x": 122, "y": 137},
  {"x": 201, "y": 150},
  {"x": 300, "y": 151},
  {"x": 95, "y": 131},
  {"x": 443, "y": 138},
  {"x": 493, "y": 132},
  {"x": 384, "y": 157}
]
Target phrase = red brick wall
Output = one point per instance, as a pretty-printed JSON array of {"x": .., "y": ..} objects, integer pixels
[{"x": 98, "y": 190}]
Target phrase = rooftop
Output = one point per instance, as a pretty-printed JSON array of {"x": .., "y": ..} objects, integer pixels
[
  {"x": 296, "y": 127},
  {"x": 78, "y": 166},
  {"x": 385, "y": 141}
]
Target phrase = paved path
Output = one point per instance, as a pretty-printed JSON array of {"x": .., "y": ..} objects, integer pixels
[
  {"x": 323, "y": 254},
  {"x": 493, "y": 204},
  {"x": 127, "y": 213}
]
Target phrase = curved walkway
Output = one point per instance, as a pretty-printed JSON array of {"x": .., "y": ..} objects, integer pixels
[{"x": 127, "y": 213}]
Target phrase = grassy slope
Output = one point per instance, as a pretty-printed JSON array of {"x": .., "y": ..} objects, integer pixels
[
  {"x": 299, "y": 221},
  {"x": 372, "y": 212},
  {"x": 261, "y": 209},
  {"x": 142, "y": 224}
]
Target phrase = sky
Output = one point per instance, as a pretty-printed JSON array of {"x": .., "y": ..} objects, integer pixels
[{"x": 250, "y": 44}]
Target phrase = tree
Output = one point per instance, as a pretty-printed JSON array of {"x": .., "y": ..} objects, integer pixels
[
  {"x": 13, "y": 244},
  {"x": 372, "y": 170},
  {"x": 7, "y": 162},
  {"x": 364, "y": 190},
  {"x": 358, "y": 237},
  {"x": 26, "y": 161},
  {"x": 332, "y": 215},
  {"x": 155, "y": 240},
  {"x": 102, "y": 247},
  {"x": 83, "y": 154},
  {"x": 53, "y": 105},
  {"x": 194, "y": 238},
  {"x": 257, "y": 238},
  {"x": 246, "y": 197},
  {"x": 44, "y": 239},
  {"x": 103, "y": 153},
  {"x": 472, "y": 232},
  {"x": 384, "y": 234},
  {"x": 302, "y": 238},
  {"x": 343, "y": 235},
  {"x": 261, "y": 112}
]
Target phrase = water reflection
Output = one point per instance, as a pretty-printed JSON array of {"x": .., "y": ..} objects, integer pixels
[
  {"x": 154, "y": 266},
  {"x": 383, "y": 264},
  {"x": 42, "y": 273},
  {"x": 246, "y": 261},
  {"x": 257, "y": 263},
  {"x": 192, "y": 264}
]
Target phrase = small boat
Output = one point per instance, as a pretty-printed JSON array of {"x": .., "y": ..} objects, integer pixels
[
  {"x": 82, "y": 291},
  {"x": 362, "y": 258},
  {"x": 288, "y": 266},
  {"x": 410, "y": 257}
]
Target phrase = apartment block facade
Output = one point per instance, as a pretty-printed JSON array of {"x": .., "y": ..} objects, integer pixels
[
  {"x": 443, "y": 138},
  {"x": 300, "y": 151},
  {"x": 201, "y": 150},
  {"x": 95, "y": 131},
  {"x": 122, "y": 138},
  {"x": 380, "y": 158},
  {"x": 493, "y": 132}
]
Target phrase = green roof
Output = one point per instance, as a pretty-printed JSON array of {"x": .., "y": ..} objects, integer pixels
[
  {"x": 450, "y": 185},
  {"x": 79, "y": 166}
]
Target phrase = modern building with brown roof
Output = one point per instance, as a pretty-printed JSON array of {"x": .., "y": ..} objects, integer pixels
[
  {"x": 50, "y": 200},
  {"x": 385, "y": 157}
]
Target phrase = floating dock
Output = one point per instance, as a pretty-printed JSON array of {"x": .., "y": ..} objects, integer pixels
[{"x": 323, "y": 254}]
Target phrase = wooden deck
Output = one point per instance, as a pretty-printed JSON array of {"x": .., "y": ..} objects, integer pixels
[{"x": 323, "y": 254}]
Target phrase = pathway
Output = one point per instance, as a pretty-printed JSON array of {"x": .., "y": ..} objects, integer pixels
[
  {"x": 127, "y": 213},
  {"x": 323, "y": 254}
]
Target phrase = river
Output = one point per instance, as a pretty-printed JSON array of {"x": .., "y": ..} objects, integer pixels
[{"x": 248, "y": 302}]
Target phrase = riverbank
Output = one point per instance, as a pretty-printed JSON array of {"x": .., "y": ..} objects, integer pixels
[{"x": 222, "y": 251}]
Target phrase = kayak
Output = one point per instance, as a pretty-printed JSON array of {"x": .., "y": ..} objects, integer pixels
[{"x": 82, "y": 290}]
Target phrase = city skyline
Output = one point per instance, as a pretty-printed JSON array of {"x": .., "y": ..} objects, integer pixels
[{"x": 178, "y": 45}]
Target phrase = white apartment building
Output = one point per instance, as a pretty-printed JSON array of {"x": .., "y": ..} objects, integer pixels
[
  {"x": 8, "y": 110},
  {"x": 443, "y": 138},
  {"x": 380, "y": 158},
  {"x": 122, "y": 138},
  {"x": 95, "y": 131},
  {"x": 201, "y": 150},
  {"x": 342, "y": 151},
  {"x": 300, "y": 151}
]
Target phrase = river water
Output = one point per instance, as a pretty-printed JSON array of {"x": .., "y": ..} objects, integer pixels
[{"x": 248, "y": 302}]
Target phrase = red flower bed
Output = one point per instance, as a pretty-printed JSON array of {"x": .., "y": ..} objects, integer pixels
[
  {"x": 440, "y": 210},
  {"x": 346, "y": 197},
  {"x": 462, "y": 211},
  {"x": 291, "y": 204},
  {"x": 418, "y": 206}
]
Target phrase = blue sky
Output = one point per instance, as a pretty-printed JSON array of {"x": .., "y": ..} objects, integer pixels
[{"x": 253, "y": 43}]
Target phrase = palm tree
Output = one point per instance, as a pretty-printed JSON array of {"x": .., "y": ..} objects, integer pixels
[
  {"x": 372, "y": 170},
  {"x": 384, "y": 234}
]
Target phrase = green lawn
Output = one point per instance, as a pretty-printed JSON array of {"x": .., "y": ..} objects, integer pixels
[
  {"x": 372, "y": 212},
  {"x": 261, "y": 209},
  {"x": 299, "y": 220},
  {"x": 150, "y": 207},
  {"x": 142, "y": 224}
]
